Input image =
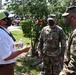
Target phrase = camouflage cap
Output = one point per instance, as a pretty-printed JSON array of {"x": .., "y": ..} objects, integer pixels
[
  {"x": 51, "y": 16},
  {"x": 4, "y": 14},
  {"x": 71, "y": 9},
  {"x": 52, "y": 19}
]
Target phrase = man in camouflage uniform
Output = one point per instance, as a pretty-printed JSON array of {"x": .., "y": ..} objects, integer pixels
[
  {"x": 54, "y": 17},
  {"x": 70, "y": 58},
  {"x": 51, "y": 37}
]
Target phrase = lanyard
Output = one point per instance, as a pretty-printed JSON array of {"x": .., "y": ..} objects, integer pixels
[{"x": 10, "y": 34}]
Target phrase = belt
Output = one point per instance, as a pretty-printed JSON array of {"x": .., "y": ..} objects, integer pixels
[{"x": 1, "y": 65}]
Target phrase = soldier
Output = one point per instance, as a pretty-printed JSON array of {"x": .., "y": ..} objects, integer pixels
[
  {"x": 70, "y": 60},
  {"x": 54, "y": 16},
  {"x": 50, "y": 39}
]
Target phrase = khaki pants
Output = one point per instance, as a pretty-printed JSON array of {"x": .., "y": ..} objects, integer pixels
[{"x": 7, "y": 69}]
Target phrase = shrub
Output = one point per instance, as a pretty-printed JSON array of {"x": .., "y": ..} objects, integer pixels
[{"x": 26, "y": 26}]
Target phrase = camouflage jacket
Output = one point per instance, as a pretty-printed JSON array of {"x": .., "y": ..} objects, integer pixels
[
  {"x": 71, "y": 50},
  {"x": 51, "y": 39}
]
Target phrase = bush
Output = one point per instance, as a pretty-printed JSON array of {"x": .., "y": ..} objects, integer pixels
[{"x": 26, "y": 26}]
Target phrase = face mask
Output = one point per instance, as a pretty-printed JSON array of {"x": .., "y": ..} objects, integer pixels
[
  {"x": 9, "y": 22},
  {"x": 51, "y": 22}
]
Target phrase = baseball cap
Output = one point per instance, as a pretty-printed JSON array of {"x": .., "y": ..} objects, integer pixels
[
  {"x": 4, "y": 14},
  {"x": 71, "y": 9}
]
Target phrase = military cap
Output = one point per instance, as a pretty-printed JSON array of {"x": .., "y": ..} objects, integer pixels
[
  {"x": 52, "y": 15},
  {"x": 50, "y": 19},
  {"x": 71, "y": 9},
  {"x": 4, "y": 14}
]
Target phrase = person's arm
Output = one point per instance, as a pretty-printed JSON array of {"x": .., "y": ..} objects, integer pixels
[
  {"x": 18, "y": 52},
  {"x": 71, "y": 49},
  {"x": 40, "y": 45},
  {"x": 63, "y": 42}
]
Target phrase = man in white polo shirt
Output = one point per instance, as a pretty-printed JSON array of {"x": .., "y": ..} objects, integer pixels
[{"x": 8, "y": 52}]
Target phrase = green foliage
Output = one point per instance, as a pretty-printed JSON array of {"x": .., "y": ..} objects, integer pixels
[
  {"x": 26, "y": 26},
  {"x": 39, "y": 8}
]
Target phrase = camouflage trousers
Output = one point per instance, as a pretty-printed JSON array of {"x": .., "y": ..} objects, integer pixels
[{"x": 51, "y": 65}]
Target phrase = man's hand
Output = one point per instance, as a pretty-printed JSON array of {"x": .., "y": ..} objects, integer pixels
[{"x": 26, "y": 48}]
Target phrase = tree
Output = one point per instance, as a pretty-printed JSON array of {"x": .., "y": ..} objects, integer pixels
[
  {"x": 39, "y": 9},
  {"x": 33, "y": 9}
]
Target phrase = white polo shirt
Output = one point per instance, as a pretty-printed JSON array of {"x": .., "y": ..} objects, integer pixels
[{"x": 6, "y": 47}]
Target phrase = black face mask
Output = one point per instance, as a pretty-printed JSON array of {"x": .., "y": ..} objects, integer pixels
[
  {"x": 51, "y": 22},
  {"x": 8, "y": 20}
]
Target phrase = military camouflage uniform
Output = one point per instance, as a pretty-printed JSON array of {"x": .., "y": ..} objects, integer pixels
[
  {"x": 49, "y": 45},
  {"x": 70, "y": 65}
]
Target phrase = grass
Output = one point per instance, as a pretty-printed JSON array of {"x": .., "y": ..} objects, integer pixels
[
  {"x": 18, "y": 34},
  {"x": 23, "y": 64}
]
